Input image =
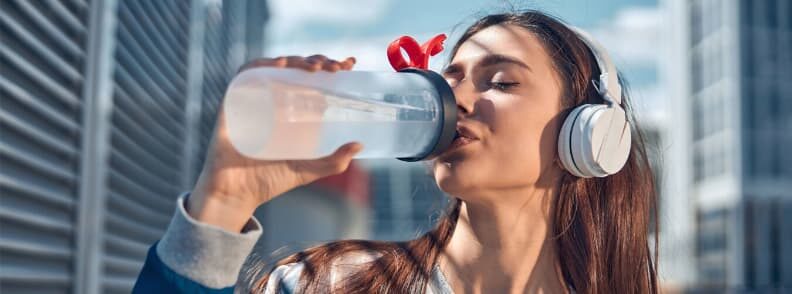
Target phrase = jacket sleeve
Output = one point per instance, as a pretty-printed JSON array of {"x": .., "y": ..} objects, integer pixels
[
  {"x": 156, "y": 277},
  {"x": 193, "y": 257}
]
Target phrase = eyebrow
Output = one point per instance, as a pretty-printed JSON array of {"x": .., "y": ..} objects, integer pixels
[
  {"x": 489, "y": 60},
  {"x": 494, "y": 59}
]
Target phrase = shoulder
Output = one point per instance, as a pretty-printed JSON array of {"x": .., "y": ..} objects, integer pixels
[
  {"x": 286, "y": 277},
  {"x": 356, "y": 258}
]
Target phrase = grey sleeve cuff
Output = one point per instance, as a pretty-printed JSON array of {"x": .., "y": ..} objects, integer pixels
[{"x": 206, "y": 254}]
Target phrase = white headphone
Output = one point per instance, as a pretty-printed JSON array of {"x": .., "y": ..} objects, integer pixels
[{"x": 595, "y": 138}]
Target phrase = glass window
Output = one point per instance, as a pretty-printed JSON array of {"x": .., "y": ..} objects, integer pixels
[
  {"x": 696, "y": 71},
  {"x": 786, "y": 8},
  {"x": 750, "y": 246},
  {"x": 711, "y": 241},
  {"x": 747, "y": 106},
  {"x": 746, "y": 12},
  {"x": 766, "y": 53},
  {"x": 707, "y": 67},
  {"x": 706, "y": 162},
  {"x": 698, "y": 168},
  {"x": 695, "y": 22},
  {"x": 724, "y": 158},
  {"x": 747, "y": 159},
  {"x": 771, "y": 13},
  {"x": 718, "y": 63},
  {"x": 756, "y": 155},
  {"x": 775, "y": 104},
  {"x": 787, "y": 141},
  {"x": 716, "y": 12},
  {"x": 778, "y": 154},
  {"x": 711, "y": 110},
  {"x": 720, "y": 105},
  {"x": 747, "y": 47},
  {"x": 712, "y": 17},
  {"x": 698, "y": 118},
  {"x": 380, "y": 184}
]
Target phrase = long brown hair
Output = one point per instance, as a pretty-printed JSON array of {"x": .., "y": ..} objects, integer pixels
[{"x": 601, "y": 225}]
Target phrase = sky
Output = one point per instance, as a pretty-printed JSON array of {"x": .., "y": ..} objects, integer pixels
[{"x": 630, "y": 29}]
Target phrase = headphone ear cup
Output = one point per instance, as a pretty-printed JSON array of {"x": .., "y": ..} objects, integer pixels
[
  {"x": 581, "y": 139},
  {"x": 594, "y": 140},
  {"x": 565, "y": 148},
  {"x": 612, "y": 138},
  {"x": 604, "y": 141}
]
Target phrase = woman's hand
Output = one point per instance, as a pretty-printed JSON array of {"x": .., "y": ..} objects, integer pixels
[{"x": 231, "y": 186}]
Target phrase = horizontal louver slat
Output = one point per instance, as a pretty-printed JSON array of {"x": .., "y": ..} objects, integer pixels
[{"x": 147, "y": 137}]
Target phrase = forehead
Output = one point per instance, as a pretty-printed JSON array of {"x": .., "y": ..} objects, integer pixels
[{"x": 510, "y": 40}]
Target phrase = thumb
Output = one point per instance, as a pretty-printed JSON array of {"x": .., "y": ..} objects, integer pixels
[
  {"x": 339, "y": 161},
  {"x": 332, "y": 164}
]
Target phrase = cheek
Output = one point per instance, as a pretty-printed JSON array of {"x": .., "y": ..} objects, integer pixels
[{"x": 525, "y": 138}]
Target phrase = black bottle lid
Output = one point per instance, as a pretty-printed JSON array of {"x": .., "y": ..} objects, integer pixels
[{"x": 448, "y": 114}]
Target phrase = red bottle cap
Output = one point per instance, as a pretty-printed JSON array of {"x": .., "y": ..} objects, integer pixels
[{"x": 418, "y": 55}]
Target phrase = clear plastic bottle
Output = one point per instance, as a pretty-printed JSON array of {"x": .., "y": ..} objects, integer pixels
[{"x": 276, "y": 113}]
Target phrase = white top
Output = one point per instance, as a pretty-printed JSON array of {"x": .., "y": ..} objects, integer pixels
[{"x": 288, "y": 276}]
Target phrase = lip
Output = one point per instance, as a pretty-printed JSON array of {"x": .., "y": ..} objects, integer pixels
[
  {"x": 459, "y": 142},
  {"x": 466, "y": 132},
  {"x": 464, "y": 136}
]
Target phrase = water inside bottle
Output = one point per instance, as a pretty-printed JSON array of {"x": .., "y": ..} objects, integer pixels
[{"x": 304, "y": 123}]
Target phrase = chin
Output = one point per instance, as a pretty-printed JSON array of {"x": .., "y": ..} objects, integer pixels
[{"x": 454, "y": 178}]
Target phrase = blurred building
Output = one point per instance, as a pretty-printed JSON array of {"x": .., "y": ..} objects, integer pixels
[
  {"x": 731, "y": 75},
  {"x": 105, "y": 112},
  {"x": 406, "y": 199},
  {"x": 333, "y": 208},
  {"x": 379, "y": 199}
]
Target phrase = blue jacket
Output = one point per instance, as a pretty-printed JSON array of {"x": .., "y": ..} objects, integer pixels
[
  {"x": 194, "y": 257},
  {"x": 156, "y": 277}
]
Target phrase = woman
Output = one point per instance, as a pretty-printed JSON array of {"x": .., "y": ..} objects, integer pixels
[{"x": 523, "y": 216}]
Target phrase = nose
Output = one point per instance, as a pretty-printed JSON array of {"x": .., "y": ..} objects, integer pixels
[{"x": 466, "y": 97}]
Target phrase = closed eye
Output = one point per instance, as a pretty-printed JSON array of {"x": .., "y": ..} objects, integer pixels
[{"x": 503, "y": 86}]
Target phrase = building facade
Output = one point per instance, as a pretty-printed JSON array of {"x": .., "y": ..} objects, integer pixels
[
  {"x": 732, "y": 89},
  {"x": 106, "y": 108}
]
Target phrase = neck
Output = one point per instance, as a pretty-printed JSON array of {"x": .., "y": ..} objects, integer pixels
[{"x": 501, "y": 244}]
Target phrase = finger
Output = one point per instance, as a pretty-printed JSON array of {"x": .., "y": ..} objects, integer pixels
[
  {"x": 348, "y": 63},
  {"x": 327, "y": 64},
  {"x": 316, "y": 66},
  {"x": 307, "y": 63},
  {"x": 331, "y": 65},
  {"x": 300, "y": 62},
  {"x": 346, "y": 151},
  {"x": 311, "y": 63},
  {"x": 339, "y": 161},
  {"x": 316, "y": 58},
  {"x": 264, "y": 62}
]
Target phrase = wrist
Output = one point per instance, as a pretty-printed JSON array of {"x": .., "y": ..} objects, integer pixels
[{"x": 225, "y": 211}]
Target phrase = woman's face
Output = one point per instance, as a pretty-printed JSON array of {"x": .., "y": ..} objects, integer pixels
[{"x": 509, "y": 99}]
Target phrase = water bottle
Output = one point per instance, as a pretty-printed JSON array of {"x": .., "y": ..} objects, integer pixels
[{"x": 282, "y": 113}]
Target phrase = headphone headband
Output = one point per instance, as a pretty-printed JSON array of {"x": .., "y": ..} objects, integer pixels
[
  {"x": 608, "y": 84},
  {"x": 595, "y": 139}
]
